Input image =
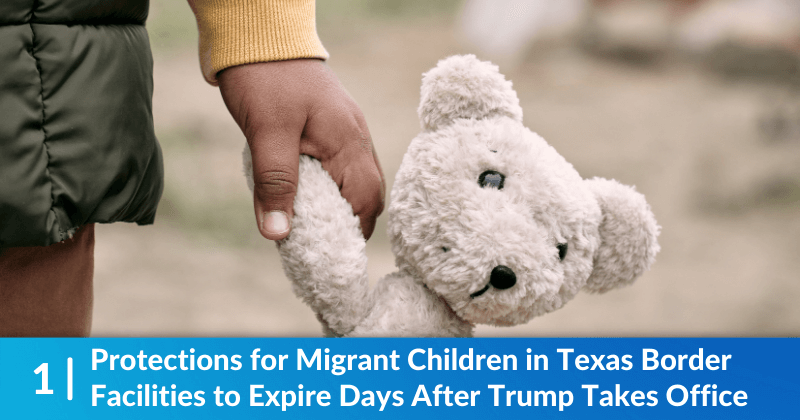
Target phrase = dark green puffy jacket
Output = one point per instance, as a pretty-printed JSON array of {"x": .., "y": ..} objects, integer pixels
[{"x": 77, "y": 144}]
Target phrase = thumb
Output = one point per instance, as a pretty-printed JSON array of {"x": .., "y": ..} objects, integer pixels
[{"x": 276, "y": 158}]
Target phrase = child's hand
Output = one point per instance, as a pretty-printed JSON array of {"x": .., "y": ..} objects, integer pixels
[{"x": 288, "y": 108}]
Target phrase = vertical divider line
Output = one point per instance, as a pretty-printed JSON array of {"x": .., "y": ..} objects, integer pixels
[{"x": 69, "y": 378}]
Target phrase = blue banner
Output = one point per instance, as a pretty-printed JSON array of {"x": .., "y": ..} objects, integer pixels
[{"x": 201, "y": 378}]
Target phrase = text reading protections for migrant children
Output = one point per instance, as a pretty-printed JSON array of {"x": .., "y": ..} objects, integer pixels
[{"x": 162, "y": 391}]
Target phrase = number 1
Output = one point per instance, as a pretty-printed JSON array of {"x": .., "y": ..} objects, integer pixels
[{"x": 43, "y": 370}]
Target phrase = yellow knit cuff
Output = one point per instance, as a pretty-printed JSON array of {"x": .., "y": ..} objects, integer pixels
[{"x": 234, "y": 32}]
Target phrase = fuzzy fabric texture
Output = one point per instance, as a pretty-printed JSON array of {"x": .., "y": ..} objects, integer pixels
[
  {"x": 465, "y": 87},
  {"x": 557, "y": 232}
]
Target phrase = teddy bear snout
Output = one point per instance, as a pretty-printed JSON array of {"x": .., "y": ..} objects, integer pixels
[{"x": 502, "y": 277}]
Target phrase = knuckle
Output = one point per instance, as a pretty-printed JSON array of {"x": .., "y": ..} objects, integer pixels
[
  {"x": 377, "y": 198},
  {"x": 359, "y": 134},
  {"x": 275, "y": 183},
  {"x": 371, "y": 204}
]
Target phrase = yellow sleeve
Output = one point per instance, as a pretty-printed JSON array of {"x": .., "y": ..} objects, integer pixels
[{"x": 234, "y": 32}]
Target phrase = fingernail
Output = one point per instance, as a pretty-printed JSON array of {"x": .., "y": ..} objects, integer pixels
[{"x": 275, "y": 222}]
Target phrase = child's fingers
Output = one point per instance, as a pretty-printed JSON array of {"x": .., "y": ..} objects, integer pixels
[
  {"x": 362, "y": 188},
  {"x": 298, "y": 106},
  {"x": 339, "y": 137},
  {"x": 275, "y": 167}
]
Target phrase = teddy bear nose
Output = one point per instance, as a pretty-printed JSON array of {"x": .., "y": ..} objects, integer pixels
[
  {"x": 502, "y": 277},
  {"x": 491, "y": 179}
]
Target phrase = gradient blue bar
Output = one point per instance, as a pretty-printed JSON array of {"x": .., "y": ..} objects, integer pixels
[{"x": 767, "y": 370}]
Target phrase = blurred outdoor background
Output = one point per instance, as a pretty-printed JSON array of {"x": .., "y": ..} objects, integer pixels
[{"x": 696, "y": 103}]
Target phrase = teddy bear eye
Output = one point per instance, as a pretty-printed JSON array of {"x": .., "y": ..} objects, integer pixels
[
  {"x": 492, "y": 179},
  {"x": 562, "y": 251},
  {"x": 445, "y": 249}
]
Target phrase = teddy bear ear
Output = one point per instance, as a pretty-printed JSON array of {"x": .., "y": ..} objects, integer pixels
[
  {"x": 462, "y": 86},
  {"x": 628, "y": 236}
]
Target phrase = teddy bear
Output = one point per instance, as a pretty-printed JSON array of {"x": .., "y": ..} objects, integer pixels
[{"x": 488, "y": 223}]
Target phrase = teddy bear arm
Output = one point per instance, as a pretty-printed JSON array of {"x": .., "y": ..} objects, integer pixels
[
  {"x": 403, "y": 307},
  {"x": 324, "y": 255}
]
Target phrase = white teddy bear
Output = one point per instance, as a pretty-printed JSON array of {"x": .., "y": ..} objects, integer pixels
[{"x": 488, "y": 223}]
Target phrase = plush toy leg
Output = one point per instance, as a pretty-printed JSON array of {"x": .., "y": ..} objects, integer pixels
[{"x": 324, "y": 255}]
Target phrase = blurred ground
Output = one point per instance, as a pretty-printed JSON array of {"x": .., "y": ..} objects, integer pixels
[{"x": 717, "y": 157}]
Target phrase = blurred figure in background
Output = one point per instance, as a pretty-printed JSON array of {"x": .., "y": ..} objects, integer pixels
[{"x": 505, "y": 30}]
